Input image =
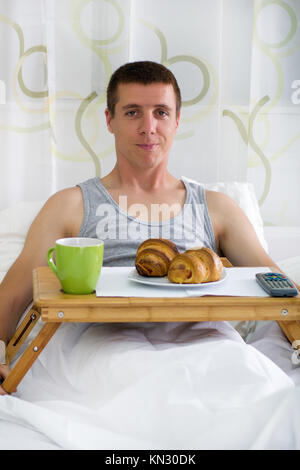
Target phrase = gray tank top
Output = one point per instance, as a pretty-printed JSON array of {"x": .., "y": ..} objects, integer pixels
[{"x": 122, "y": 233}]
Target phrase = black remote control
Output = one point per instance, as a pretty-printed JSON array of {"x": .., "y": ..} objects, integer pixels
[{"x": 277, "y": 284}]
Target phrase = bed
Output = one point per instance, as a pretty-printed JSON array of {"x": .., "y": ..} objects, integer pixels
[{"x": 212, "y": 385}]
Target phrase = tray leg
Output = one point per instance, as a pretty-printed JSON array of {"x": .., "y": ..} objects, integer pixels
[
  {"x": 21, "y": 334},
  {"x": 29, "y": 356},
  {"x": 291, "y": 329}
]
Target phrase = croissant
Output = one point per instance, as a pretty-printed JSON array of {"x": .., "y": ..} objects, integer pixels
[
  {"x": 195, "y": 266},
  {"x": 154, "y": 255}
]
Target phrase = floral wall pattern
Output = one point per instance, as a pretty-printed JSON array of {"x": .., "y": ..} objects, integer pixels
[{"x": 236, "y": 61}]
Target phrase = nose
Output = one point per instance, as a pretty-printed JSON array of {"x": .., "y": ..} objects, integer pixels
[{"x": 147, "y": 124}]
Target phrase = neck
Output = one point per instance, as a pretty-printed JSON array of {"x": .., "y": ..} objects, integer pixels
[{"x": 140, "y": 180}]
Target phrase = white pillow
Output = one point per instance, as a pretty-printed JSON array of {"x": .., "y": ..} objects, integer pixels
[
  {"x": 291, "y": 267},
  {"x": 14, "y": 225}
]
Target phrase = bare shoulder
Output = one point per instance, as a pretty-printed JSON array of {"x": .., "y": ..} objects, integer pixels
[
  {"x": 66, "y": 208},
  {"x": 223, "y": 208},
  {"x": 237, "y": 239},
  {"x": 66, "y": 198},
  {"x": 219, "y": 206},
  {"x": 60, "y": 217},
  {"x": 216, "y": 200}
]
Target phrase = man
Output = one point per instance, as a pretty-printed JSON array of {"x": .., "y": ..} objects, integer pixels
[{"x": 143, "y": 111}]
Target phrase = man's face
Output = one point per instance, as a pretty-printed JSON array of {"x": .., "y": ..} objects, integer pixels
[{"x": 144, "y": 124}]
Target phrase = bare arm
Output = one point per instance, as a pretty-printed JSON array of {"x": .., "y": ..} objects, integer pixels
[
  {"x": 235, "y": 235},
  {"x": 60, "y": 217}
]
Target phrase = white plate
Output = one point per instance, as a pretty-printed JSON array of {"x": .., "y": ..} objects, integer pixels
[{"x": 164, "y": 281}]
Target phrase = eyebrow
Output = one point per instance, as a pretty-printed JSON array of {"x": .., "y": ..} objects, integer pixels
[{"x": 133, "y": 105}]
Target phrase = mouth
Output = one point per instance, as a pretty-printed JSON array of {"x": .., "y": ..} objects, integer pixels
[{"x": 148, "y": 147}]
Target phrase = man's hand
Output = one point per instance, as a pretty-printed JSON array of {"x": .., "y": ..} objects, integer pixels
[{"x": 4, "y": 371}]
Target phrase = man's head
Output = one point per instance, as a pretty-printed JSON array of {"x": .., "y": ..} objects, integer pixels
[
  {"x": 143, "y": 112},
  {"x": 144, "y": 73}
]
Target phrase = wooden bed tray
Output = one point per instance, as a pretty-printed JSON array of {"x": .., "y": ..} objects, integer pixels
[{"x": 55, "y": 307}]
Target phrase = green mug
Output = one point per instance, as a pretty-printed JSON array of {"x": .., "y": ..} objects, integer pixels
[{"x": 78, "y": 263}]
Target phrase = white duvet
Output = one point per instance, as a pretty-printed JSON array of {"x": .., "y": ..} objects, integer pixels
[{"x": 151, "y": 386}]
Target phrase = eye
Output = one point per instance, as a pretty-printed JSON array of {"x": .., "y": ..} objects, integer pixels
[
  {"x": 162, "y": 113},
  {"x": 131, "y": 113}
]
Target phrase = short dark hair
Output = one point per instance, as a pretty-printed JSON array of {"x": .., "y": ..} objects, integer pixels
[{"x": 144, "y": 72}]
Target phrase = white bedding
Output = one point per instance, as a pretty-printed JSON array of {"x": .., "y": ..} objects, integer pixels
[{"x": 152, "y": 386}]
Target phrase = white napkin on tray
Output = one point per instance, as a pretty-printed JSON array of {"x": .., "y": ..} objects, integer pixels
[{"x": 114, "y": 282}]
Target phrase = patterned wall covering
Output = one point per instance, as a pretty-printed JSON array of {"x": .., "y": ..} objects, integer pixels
[{"x": 236, "y": 61}]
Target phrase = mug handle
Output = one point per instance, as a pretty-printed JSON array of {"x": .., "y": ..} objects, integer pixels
[{"x": 51, "y": 262}]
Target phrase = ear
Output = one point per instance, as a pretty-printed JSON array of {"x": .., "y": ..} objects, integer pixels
[
  {"x": 108, "y": 121},
  {"x": 177, "y": 121}
]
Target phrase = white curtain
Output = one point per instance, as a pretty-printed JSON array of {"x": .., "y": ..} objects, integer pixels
[{"x": 236, "y": 62}]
